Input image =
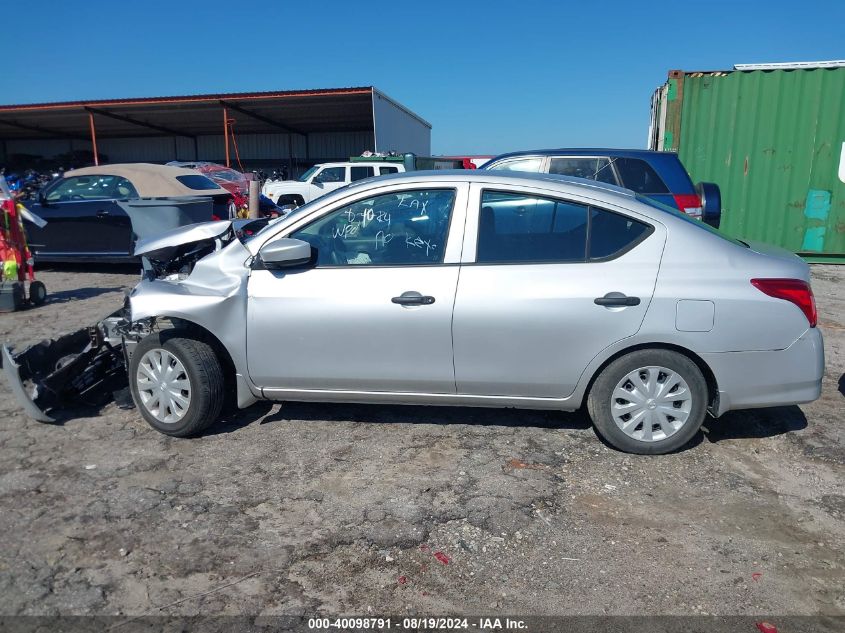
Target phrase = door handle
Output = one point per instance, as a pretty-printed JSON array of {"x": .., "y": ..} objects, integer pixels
[
  {"x": 413, "y": 298},
  {"x": 616, "y": 299},
  {"x": 102, "y": 214}
]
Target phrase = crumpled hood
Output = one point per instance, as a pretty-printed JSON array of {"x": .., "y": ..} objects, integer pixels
[{"x": 183, "y": 235}]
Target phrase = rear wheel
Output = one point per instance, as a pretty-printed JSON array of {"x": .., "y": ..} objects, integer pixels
[
  {"x": 651, "y": 401},
  {"x": 177, "y": 383}
]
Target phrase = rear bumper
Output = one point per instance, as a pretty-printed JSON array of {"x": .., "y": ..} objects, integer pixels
[{"x": 748, "y": 380}]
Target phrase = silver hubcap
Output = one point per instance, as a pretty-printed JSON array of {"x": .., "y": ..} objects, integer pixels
[
  {"x": 164, "y": 386},
  {"x": 651, "y": 403}
]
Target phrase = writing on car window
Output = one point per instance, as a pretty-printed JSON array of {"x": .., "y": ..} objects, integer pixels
[{"x": 396, "y": 229}]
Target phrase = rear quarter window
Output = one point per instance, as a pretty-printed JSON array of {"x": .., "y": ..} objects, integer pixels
[
  {"x": 612, "y": 234},
  {"x": 637, "y": 175}
]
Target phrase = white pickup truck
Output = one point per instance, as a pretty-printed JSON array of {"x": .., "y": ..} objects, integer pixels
[{"x": 321, "y": 179}]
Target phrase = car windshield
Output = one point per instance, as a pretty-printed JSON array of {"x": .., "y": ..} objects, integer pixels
[
  {"x": 305, "y": 208},
  {"x": 672, "y": 210},
  {"x": 308, "y": 174}
]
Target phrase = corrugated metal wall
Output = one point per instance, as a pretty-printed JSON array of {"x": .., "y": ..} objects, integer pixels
[
  {"x": 397, "y": 129},
  {"x": 320, "y": 146},
  {"x": 774, "y": 141}
]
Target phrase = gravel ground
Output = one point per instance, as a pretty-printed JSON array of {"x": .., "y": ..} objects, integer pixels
[{"x": 324, "y": 509}]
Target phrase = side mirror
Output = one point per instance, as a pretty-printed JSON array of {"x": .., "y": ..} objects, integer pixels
[
  {"x": 711, "y": 203},
  {"x": 319, "y": 183},
  {"x": 285, "y": 252}
]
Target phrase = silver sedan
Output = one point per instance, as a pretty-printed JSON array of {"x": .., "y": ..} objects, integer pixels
[{"x": 483, "y": 289}]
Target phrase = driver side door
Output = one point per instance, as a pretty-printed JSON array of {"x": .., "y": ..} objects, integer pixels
[
  {"x": 373, "y": 313},
  {"x": 328, "y": 179},
  {"x": 83, "y": 219}
]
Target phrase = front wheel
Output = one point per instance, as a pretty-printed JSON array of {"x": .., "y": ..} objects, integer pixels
[
  {"x": 650, "y": 402},
  {"x": 177, "y": 383}
]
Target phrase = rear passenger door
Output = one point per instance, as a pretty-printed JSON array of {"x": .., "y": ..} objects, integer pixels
[{"x": 526, "y": 322}]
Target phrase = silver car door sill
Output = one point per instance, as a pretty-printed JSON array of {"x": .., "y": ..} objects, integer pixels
[{"x": 434, "y": 399}]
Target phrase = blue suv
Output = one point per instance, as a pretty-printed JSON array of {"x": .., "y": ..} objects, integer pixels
[{"x": 658, "y": 175}]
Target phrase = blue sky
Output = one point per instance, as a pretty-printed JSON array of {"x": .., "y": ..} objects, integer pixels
[{"x": 490, "y": 76}]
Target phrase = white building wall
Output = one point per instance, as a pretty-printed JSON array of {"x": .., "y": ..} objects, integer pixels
[{"x": 398, "y": 129}]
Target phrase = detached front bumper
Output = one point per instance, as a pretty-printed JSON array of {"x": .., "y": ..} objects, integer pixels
[
  {"x": 749, "y": 380},
  {"x": 81, "y": 368}
]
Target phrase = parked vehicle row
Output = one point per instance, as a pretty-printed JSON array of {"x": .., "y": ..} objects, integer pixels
[
  {"x": 97, "y": 213},
  {"x": 658, "y": 175},
  {"x": 477, "y": 288}
]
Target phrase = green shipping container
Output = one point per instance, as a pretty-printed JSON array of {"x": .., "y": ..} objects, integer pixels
[{"x": 774, "y": 142}]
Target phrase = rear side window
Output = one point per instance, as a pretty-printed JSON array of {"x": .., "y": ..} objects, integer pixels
[
  {"x": 584, "y": 167},
  {"x": 520, "y": 229},
  {"x": 639, "y": 176},
  {"x": 531, "y": 164},
  {"x": 387, "y": 170},
  {"x": 359, "y": 173},
  {"x": 198, "y": 182},
  {"x": 612, "y": 233}
]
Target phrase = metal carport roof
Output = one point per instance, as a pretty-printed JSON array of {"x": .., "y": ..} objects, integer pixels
[{"x": 295, "y": 111}]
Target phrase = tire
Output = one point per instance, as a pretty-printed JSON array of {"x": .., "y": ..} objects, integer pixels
[
  {"x": 296, "y": 201},
  {"x": 37, "y": 293},
  {"x": 649, "y": 425},
  {"x": 198, "y": 379}
]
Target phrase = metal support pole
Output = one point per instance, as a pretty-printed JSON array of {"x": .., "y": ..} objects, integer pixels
[
  {"x": 93, "y": 138},
  {"x": 253, "y": 198},
  {"x": 226, "y": 133}
]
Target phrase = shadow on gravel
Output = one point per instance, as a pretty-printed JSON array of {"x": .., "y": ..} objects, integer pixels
[
  {"x": 63, "y": 296},
  {"x": 398, "y": 414},
  {"x": 755, "y": 423},
  {"x": 842, "y": 384},
  {"x": 100, "y": 268}
]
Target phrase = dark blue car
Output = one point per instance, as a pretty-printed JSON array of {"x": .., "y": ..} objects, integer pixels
[{"x": 658, "y": 175}]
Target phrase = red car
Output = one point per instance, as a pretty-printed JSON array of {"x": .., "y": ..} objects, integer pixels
[{"x": 231, "y": 180}]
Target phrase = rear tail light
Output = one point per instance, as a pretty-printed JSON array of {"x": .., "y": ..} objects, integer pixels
[
  {"x": 689, "y": 203},
  {"x": 796, "y": 291}
]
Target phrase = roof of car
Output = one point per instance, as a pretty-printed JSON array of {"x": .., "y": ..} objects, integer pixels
[
  {"x": 360, "y": 163},
  {"x": 585, "y": 151},
  {"x": 149, "y": 180},
  {"x": 494, "y": 177}
]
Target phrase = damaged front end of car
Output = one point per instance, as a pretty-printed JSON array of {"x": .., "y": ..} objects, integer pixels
[{"x": 189, "y": 277}]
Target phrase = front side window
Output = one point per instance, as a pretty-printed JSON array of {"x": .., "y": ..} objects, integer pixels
[
  {"x": 522, "y": 228},
  {"x": 531, "y": 164},
  {"x": 395, "y": 229},
  {"x": 331, "y": 174},
  {"x": 80, "y": 188},
  {"x": 359, "y": 173},
  {"x": 583, "y": 167}
]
